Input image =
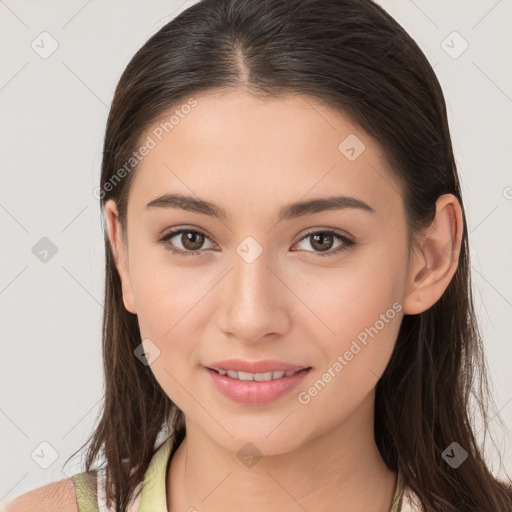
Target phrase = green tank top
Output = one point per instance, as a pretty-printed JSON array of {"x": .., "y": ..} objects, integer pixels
[{"x": 153, "y": 497}]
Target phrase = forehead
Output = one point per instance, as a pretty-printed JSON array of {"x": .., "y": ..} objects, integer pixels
[{"x": 260, "y": 152}]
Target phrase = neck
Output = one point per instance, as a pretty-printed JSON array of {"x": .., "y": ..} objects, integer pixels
[{"x": 341, "y": 469}]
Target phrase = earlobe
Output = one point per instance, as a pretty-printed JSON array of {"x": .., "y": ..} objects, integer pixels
[
  {"x": 435, "y": 263},
  {"x": 118, "y": 252}
]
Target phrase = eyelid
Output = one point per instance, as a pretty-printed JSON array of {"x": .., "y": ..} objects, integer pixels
[
  {"x": 333, "y": 231},
  {"x": 175, "y": 230}
]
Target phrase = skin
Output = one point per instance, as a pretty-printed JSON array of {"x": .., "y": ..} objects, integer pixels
[{"x": 251, "y": 156}]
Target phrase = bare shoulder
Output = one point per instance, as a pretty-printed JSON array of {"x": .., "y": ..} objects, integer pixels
[{"x": 53, "y": 497}]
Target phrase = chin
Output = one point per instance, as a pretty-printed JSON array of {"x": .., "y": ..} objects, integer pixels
[{"x": 259, "y": 439}]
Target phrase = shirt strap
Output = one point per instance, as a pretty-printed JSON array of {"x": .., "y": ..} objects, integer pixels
[{"x": 85, "y": 491}]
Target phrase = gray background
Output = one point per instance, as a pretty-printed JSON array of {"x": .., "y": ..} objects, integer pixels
[{"x": 53, "y": 112}]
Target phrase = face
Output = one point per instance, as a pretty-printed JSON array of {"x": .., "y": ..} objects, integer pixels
[{"x": 318, "y": 288}]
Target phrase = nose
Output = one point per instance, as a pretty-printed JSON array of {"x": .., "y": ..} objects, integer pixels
[{"x": 254, "y": 300}]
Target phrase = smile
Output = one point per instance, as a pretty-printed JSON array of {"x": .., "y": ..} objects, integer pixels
[
  {"x": 259, "y": 377},
  {"x": 256, "y": 388}
]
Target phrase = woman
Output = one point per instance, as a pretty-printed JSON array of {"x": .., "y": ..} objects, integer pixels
[{"x": 288, "y": 318}]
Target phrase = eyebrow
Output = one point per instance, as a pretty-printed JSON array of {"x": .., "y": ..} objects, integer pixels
[{"x": 290, "y": 211}]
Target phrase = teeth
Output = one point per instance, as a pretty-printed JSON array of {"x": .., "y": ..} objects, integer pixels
[
  {"x": 266, "y": 376},
  {"x": 259, "y": 377}
]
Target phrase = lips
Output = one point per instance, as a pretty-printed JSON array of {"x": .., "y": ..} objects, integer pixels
[{"x": 256, "y": 382}]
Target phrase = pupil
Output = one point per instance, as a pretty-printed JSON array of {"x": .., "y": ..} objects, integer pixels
[
  {"x": 188, "y": 240},
  {"x": 318, "y": 237}
]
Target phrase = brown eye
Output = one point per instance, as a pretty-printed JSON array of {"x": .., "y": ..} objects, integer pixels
[
  {"x": 191, "y": 240},
  {"x": 323, "y": 241},
  {"x": 188, "y": 242}
]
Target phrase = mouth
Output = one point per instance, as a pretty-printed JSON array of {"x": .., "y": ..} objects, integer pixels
[
  {"x": 258, "y": 377},
  {"x": 256, "y": 388}
]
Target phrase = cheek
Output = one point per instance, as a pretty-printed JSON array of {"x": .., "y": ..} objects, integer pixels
[
  {"x": 354, "y": 358},
  {"x": 166, "y": 290},
  {"x": 170, "y": 309},
  {"x": 167, "y": 304},
  {"x": 349, "y": 298},
  {"x": 361, "y": 312}
]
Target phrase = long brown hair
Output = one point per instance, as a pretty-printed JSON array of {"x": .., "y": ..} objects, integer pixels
[{"x": 357, "y": 58}]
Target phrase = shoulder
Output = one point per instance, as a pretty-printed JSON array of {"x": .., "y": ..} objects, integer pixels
[{"x": 53, "y": 497}]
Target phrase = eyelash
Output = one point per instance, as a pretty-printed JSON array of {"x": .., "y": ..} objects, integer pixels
[{"x": 347, "y": 243}]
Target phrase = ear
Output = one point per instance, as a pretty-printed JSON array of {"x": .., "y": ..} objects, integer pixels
[
  {"x": 120, "y": 251},
  {"x": 435, "y": 263}
]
